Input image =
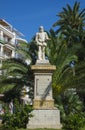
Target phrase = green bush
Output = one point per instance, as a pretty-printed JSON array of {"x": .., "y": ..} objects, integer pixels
[
  {"x": 72, "y": 111},
  {"x": 73, "y": 122},
  {"x": 19, "y": 118}
]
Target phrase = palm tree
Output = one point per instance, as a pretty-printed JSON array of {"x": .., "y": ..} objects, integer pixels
[
  {"x": 79, "y": 80},
  {"x": 33, "y": 50},
  {"x": 72, "y": 26},
  {"x": 71, "y": 107},
  {"x": 69, "y": 102},
  {"x": 17, "y": 72},
  {"x": 59, "y": 55},
  {"x": 71, "y": 22}
]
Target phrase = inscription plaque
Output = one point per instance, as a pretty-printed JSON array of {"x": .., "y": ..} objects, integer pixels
[{"x": 43, "y": 85}]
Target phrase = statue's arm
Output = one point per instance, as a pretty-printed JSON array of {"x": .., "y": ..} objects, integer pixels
[
  {"x": 37, "y": 39},
  {"x": 46, "y": 36}
]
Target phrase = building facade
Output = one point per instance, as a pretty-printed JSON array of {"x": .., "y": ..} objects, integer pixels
[{"x": 9, "y": 38}]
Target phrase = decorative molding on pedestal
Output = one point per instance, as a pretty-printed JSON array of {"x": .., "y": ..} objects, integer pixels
[
  {"x": 43, "y": 68},
  {"x": 43, "y": 104}
]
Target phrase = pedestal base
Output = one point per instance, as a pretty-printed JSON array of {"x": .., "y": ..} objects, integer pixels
[{"x": 45, "y": 118}]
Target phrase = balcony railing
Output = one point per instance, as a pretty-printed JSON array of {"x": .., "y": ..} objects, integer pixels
[
  {"x": 4, "y": 55},
  {"x": 2, "y": 40}
]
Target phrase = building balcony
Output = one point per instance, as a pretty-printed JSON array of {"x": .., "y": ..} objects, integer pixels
[
  {"x": 5, "y": 56},
  {"x": 7, "y": 32},
  {"x": 4, "y": 41}
]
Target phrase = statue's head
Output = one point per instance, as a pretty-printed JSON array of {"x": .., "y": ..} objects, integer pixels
[{"x": 41, "y": 29}]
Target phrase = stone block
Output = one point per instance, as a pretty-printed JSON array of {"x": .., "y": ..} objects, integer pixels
[{"x": 45, "y": 118}]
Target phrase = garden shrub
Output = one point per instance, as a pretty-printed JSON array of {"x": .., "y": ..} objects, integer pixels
[
  {"x": 19, "y": 118},
  {"x": 73, "y": 122},
  {"x": 72, "y": 111}
]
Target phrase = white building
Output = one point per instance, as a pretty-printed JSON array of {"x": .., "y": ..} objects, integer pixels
[{"x": 9, "y": 37}]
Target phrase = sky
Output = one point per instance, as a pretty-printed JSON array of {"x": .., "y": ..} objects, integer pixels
[{"x": 27, "y": 15}]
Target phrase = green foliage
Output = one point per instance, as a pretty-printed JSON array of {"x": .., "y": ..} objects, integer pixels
[
  {"x": 73, "y": 122},
  {"x": 71, "y": 107},
  {"x": 17, "y": 73},
  {"x": 19, "y": 118},
  {"x": 33, "y": 51},
  {"x": 60, "y": 56},
  {"x": 71, "y": 22}
]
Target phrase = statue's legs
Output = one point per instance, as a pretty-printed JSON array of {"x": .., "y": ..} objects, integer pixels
[
  {"x": 40, "y": 53},
  {"x": 43, "y": 52}
]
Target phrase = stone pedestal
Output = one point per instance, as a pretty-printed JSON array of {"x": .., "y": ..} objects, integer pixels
[{"x": 44, "y": 113}]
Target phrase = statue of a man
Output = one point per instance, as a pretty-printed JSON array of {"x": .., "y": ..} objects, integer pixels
[{"x": 41, "y": 38}]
